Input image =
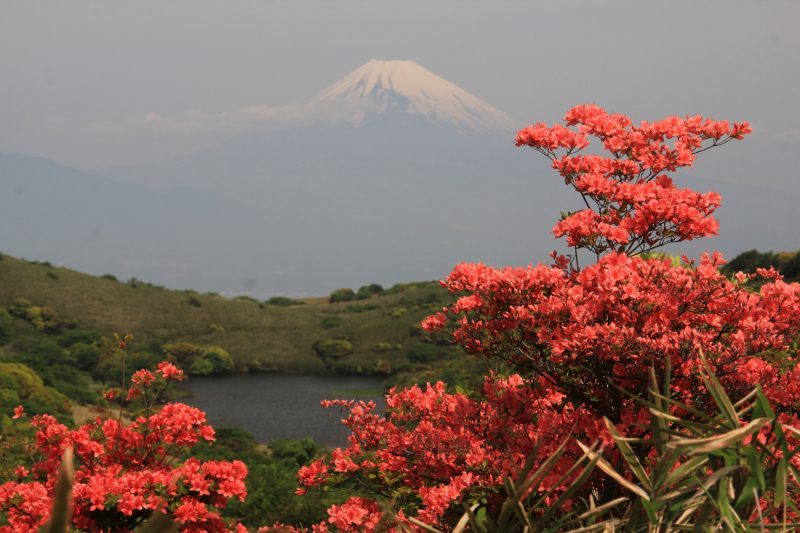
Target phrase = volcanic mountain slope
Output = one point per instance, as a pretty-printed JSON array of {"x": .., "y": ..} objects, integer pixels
[
  {"x": 400, "y": 175},
  {"x": 380, "y": 87}
]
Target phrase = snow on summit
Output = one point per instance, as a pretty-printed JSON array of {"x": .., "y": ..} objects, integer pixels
[{"x": 379, "y": 87}]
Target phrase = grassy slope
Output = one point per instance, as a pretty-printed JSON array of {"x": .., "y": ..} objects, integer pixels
[{"x": 280, "y": 338}]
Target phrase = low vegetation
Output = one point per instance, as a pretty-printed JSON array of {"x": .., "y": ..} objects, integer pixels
[{"x": 275, "y": 336}]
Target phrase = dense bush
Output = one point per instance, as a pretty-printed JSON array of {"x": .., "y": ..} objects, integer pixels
[
  {"x": 342, "y": 295},
  {"x": 200, "y": 360},
  {"x": 20, "y": 385},
  {"x": 86, "y": 356},
  {"x": 332, "y": 350},
  {"x": 45, "y": 319},
  {"x": 221, "y": 361},
  {"x": 201, "y": 367},
  {"x": 368, "y": 291},
  {"x": 56, "y": 366},
  {"x": 182, "y": 352}
]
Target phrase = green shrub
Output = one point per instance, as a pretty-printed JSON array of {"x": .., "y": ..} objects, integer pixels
[
  {"x": 298, "y": 451},
  {"x": 45, "y": 319},
  {"x": 221, "y": 361},
  {"x": 183, "y": 352},
  {"x": 200, "y": 360},
  {"x": 235, "y": 439},
  {"x": 194, "y": 302},
  {"x": 398, "y": 312},
  {"x": 52, "y": 275},
  {"x": 86, "y": 355},
  {"x": 19, "y": 308},
  {"x": 20, "y": 385},
  {"x": 216, "y": 328},
  {"x": 332, "y": 350},
  {"x": 201, "y": 367},
  {"x": 368, "y": 291},
  {"x": 57, "y": 367},
  {"x": 330, "y": 322},
  {"x": 110, "y": 277},
  {"x": 396, "y": 288},
  {"x": 342, "y": 295}
]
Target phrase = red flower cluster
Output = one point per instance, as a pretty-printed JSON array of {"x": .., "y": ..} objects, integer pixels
[
  {"x": 632, "y": 206},
  {"x": 615, "y": 319},
  {"x": 434, "y": 448},
  {"x": 577, "y": 337},
  {"x": 125, "y": 472}
]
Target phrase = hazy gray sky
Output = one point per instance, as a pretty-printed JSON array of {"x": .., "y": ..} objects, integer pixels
[{"x": 79, "y": 77}]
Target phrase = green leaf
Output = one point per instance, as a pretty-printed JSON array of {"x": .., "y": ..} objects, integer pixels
[
  {"x": 608, "y": 469},
  {"x": 780, "y": 483},
  {"x": 720, "y": 442},
  {"x": 630, "y": 457}
]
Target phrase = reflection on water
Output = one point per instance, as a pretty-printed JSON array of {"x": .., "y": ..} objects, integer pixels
[{"x": 279, "y": 406}]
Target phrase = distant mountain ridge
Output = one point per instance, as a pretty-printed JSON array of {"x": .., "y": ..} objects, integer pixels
[{"x": 420, "y": 176}]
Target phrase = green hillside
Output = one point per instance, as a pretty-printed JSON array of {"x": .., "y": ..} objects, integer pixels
[{"x": 380, "y": 331}]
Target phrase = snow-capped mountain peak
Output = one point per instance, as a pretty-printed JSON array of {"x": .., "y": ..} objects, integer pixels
[{"x": 379, "y": 87}]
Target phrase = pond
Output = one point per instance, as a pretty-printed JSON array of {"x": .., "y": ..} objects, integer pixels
[{"x": 281, "y": 406}]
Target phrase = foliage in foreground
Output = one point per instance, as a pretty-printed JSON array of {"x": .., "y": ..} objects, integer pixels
[{"x": 587, "y": 337}]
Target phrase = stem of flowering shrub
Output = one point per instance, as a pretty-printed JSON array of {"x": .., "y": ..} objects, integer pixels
[{"x": 61, "y": 515}]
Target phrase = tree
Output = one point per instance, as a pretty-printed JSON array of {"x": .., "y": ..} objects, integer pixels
[{"x": 584, "y": 338}]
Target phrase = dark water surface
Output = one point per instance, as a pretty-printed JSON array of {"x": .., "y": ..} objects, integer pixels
[{"x": 280, "y": 406}]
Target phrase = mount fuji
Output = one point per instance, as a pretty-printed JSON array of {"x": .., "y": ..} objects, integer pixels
[
  {"x": 404, "y": 87},
  {"x": 389, "y": 174}
]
